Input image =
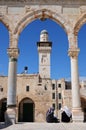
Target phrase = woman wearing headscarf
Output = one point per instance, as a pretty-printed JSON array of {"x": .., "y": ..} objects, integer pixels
[
  {"x": 50, "y": 118},
  {"x": 66, "y": 114}
]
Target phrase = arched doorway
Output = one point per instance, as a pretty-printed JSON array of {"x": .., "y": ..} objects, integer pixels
[
  {"x": 26, "y": 110},
  {"x": 3, "y": 108}
]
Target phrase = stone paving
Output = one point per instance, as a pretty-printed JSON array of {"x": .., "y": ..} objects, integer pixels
[{"x": 46, "y": 126}]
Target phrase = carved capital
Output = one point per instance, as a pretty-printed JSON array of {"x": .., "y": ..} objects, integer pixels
[
  {"x": 73, "y": 52},
  {"x": 13, "y": 52}
]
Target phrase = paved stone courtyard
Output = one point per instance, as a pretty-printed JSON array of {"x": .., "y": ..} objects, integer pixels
[{"x": 46, "y": 126}]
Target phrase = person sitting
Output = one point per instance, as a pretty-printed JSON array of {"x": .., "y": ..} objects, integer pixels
[
  {"x": 50, "y": 118},
  {"x": 66, "y": 114}
]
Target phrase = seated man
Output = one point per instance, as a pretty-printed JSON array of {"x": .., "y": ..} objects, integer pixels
[{"x": 50, "y": 118}]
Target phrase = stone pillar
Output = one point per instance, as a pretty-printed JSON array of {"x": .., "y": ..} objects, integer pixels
[
  {"x": 11, "y": 94},
  {"x": 77, "y": 114}
]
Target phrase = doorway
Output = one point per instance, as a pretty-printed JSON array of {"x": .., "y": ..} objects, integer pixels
[{"x": 26, "y": 110}]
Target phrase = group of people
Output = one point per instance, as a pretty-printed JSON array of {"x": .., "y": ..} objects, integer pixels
[{"x": 66, "y": 115}]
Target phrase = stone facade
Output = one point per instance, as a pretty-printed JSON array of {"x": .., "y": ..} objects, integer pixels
[
  {"x": 41, "y": 94},
  {"x": 29, "y": 88}
]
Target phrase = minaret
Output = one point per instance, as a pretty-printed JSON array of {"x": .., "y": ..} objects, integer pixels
[{"x": 44, "y": 50}]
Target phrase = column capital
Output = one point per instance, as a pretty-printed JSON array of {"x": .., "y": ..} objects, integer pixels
[
  {"x": 13, "y": 52},
  {"x": 73, "y": 52}
]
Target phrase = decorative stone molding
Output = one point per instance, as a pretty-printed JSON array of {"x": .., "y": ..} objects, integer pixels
[
  {"x": 40, "y": 13},
  {"x": 13, "y": 52},
  {"x": 43, "y": 2},
  {"x": 6, "y": 21},
  {"x": 27, "y": 9},
  {"x": 73, "y": 52}
]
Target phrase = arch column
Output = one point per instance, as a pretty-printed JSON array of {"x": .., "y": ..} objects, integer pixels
[
  {"x": 11, "y": 94},
  {"x": 77, "y": 114}
]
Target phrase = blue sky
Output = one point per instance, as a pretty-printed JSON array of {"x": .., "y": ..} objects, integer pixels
[{"x": 60, "y": 61}]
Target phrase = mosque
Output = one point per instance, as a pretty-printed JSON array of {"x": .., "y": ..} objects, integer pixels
[{"x": 37, "y": 92}]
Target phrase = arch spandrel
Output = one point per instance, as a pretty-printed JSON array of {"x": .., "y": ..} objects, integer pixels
[
  {"x": 9, "y": 25},
  {"x": 41, "y": 14},
  {"x": 5, "y": 20},
  {"x": 73, "y": 37},
  {"x": 80, "y": 22}
]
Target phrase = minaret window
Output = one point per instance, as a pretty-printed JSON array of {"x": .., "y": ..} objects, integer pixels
[{"x": 44, "y": 59}]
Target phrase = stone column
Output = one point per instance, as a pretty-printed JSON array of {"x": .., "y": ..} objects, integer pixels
[
  {"x": 77, "y": 114},
  {"x": 11, "y": 94}
]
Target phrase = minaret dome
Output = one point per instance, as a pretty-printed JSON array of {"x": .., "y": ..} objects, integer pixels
[{"x": 43, "y": 36}]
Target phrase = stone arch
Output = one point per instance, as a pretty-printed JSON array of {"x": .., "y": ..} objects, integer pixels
[
  {"x": 81, "y": 21},
  {"x": 26, "y": 110},
  {"x": 42, "y": 14}
]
